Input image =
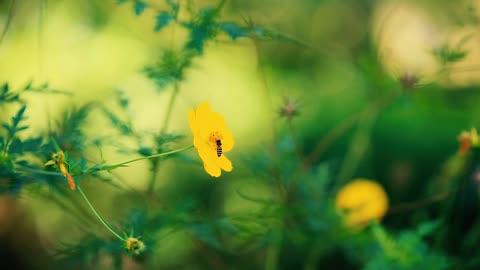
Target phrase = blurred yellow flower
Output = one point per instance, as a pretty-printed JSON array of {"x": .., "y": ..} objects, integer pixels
[
  {"x": 467, "y": 140},
  {"x": 212, "y": 139},
  {"x": 134, "y": 245},
  {"x": 361, "y": 201},
  {"x": 58, "y": 160}
]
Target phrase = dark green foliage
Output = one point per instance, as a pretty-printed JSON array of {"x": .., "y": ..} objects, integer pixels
[
  {"x": 202, "y": 28},
  {"x": 405, "y": 251},
  {"x": 448, "y": 55},
  {"x": 233, "y": 30},
  {"x": 87, "y": 253},
  {"x": 121, "y": 125},
  {"x": 139, "y": 7},
  {"x": 14, "y": 127},
  {"x": 7, "y": 95},
  {"x": 292, "y": 222},
  {"x": 163, "y": 19},
  {"x": 67, "y": 131},
  {"x": 170, "y": 68}
]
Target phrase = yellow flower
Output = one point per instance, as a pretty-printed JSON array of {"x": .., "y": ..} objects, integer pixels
[
  {"x": 212, "y": 139},
  {"x": 467, "y": 140},
  {"x": 361, "y": 201},
  {"x": 58, "y": 160}
]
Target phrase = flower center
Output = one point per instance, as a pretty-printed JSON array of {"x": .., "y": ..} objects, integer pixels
[{"x": 215, "y": 139}]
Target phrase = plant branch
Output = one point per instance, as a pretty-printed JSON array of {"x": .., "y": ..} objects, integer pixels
[{"x": 98, "y": 215}]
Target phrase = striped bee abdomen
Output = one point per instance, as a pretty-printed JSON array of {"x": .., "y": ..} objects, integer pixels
[{"x": 219, "y": 148}]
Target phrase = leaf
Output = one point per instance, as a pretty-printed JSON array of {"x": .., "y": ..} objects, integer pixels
[
  {"x": 121, "y": 125},
  {"x": 68, "y": 130},
  {"x": 19, "y": 117},
  {"x": 446, "y": 54},
  {"x": 174, "y": 6},
  {"x": 13, "y": 128},
  {"x": 199, "y": 35},
  {"x": 139, "y": 7},
  {"x": 206, "y": 234},
  {"x": 168, "y": 138},
  {"x": 5, "y": 88},
  {"x": 268, "y": 34},
  {"x": 28, "y": 85},
  {"x": 233, "y": 30},
  {"x": 6, "y": 127},
  {"x": 170, "y": 67},
  {"x": 121, "y": 1},
  {"x": 122, "y": 99},
  {"x": 30, "y": 145},
  {"x": 202, "y": 28},
  {"x": 162, "y": 20},
  {"x": 427, "y": 228}
]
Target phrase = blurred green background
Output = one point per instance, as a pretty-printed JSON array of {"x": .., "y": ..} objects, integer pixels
[{"x": 383, "y": 89}]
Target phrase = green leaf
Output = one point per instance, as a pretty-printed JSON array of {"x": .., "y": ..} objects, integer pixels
[
  {"x": 30, "y": 145},
  {"x": 28, "y": 85},
  {"x": 139, "y": 7},
  {"x": 233, "y": 30},
  {"x": 170, "y": 67},
  {"x": 122, "y": 100},
  {"x": 122, "y": 126},
  {"x": 202, "y": 28},
  {"x": 7, "y": 96},
  {"x": 427, "y": 228},
  {"x": 5, "y": 88},
  {"x": 446, "y": 55},
  {"x": 13, "y": 128},
  {"x": 162, "y": 20},
  {"x": 174, "y": 6}
]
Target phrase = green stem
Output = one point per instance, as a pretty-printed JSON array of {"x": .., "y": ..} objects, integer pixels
[
  {"x": 168, "y": 115},
  {"x": 153, "y": 179},
  {"x": 273, "y": 251},
  {"x": 154, "y": 156},
  {"x": 166, "y": 122},
  {"x": 110, "y": 167},
  {"x": 98, "y": 216},
  {"x": 11, "y": 13},
  {"x": 220, "y": 5},
  {"x": 104, "y": 167},
  {"x": 26, "y": 169}
]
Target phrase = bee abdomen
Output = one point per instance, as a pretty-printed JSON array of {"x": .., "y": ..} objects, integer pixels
[{"x": 219, "y": 148}]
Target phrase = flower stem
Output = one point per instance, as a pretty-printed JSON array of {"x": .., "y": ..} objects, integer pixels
[
  {"x": 171, "y": 102},
  {"x": 121, "y": 164},
  {"x": 296, "y": 144},
  {"x": 273, "y": 250},
  {"x": 98, "y": 216},
  {"x": 166, "y": 122},
  {"x": 154, "y": 156},
  {"x": 153, "y": 179}
]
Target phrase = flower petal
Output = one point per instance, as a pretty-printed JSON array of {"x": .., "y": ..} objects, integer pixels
[
  {"x": 208, "y": 156},
  {"x": 212, "y": 169},
  {"x": 203, "y": 110},
  {"x": 227, "y": 141},
  {"x": 224, "y": 163}
]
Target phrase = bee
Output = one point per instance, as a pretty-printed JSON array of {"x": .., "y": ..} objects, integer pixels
[
  {"x": 216, "y": 141},
  {"x": 219, "y": 147}
]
